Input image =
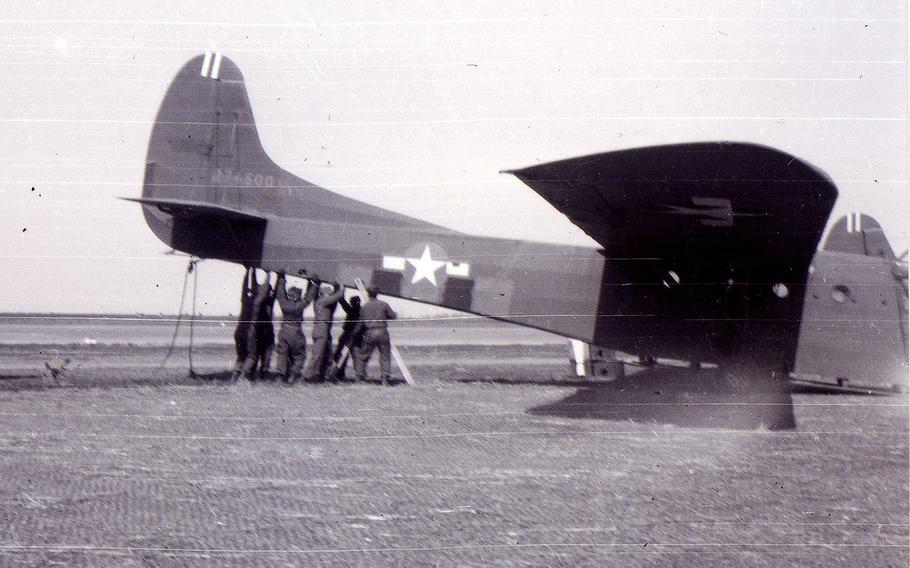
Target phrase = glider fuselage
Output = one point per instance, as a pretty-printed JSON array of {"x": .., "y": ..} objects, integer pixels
[{"x": 709, "y": 251}]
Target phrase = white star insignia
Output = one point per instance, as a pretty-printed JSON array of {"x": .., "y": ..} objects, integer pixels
[{"x": 425, "y": 267}]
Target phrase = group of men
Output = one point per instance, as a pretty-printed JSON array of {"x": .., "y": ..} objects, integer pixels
[{"x": 364, "y": 331}]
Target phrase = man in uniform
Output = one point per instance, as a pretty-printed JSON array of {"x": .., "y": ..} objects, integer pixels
[
  {"x": 264, "y": 331},
  {"x": 351, "y": 335},
  {"x": 255, "y": 347},
  {"x": 241, "y": 334},
  {"x": 375, "y": 315},
  {"x": 323, "y": 311},
  {"x": 291, "y": 348}
]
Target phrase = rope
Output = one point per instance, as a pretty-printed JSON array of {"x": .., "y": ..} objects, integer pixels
[
  {"x": 173, "y": 343},
  {"x": 193, "y": 264}
]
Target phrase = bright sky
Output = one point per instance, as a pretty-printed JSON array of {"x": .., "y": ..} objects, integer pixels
[{"x": 415, "y": 107}]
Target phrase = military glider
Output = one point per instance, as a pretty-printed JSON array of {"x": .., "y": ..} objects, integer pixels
[{"x": 708, "y": 252}]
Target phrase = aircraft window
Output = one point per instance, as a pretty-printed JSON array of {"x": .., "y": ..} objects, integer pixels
[
  {"x": 671, "y": 279},
  {"x": 840, "y": 293},
  {"x": 780, "y": 290}
]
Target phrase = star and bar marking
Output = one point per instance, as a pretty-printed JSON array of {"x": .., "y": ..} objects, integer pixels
[{"x": 425, "y": 266}]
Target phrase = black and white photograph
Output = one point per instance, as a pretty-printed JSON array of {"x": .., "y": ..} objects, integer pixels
[{"x": 454, "y": 284}]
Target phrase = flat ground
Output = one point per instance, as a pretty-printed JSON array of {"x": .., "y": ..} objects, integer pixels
[{"x": 492, "y": 459}]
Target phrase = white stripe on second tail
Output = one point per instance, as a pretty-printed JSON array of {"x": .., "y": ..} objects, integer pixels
[
  {"x": 216, "y": 66},
  {"x": 206, "y": 62}
]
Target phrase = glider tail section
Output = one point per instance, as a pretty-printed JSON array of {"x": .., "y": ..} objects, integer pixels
[
  {"x": 211, "y": 190},
  {"x": 854, "y": 322},
  {"x": 856, "y": 233},
  {"x": 204, "y": 159},
  {"x": 204, "y": 141}
]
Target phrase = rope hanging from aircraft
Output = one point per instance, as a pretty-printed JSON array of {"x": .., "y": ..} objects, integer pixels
[{"x": 190, "y": 269}]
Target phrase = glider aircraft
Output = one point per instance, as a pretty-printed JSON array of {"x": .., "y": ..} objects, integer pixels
[{"x": 708, "y": 252}]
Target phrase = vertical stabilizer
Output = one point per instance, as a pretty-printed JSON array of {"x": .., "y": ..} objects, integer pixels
[
  {"x": 204, "y": 150},
  {"x": 204, "y": 129},
  {"x": 856, "y": 233}
]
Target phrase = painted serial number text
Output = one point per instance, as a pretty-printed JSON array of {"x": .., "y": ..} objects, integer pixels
[{"x": 242, "y": 178}]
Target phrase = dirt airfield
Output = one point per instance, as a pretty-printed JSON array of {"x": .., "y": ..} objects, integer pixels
[{"x": 494, "y": 458}]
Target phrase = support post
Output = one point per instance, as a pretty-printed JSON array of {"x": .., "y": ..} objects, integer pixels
[{"x": 595, "y": 362}]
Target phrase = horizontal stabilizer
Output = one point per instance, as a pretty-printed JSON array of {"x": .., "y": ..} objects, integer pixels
[{"x": 186, "y": 208}]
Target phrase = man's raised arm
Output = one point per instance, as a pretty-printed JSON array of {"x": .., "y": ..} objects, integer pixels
[
  {"x": 281, "y": 292},
  {"x": 311, "y": 290},
  {"x": 262, "y": 291},
  {"x": 246, "y": 288},
  {"x": 336, "y": 296}
]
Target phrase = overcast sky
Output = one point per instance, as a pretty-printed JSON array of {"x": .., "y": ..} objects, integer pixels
[{"x": 415, "y": 106}]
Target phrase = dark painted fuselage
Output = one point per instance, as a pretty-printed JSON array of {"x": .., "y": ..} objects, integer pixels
[{"x": 211, "y": 190}]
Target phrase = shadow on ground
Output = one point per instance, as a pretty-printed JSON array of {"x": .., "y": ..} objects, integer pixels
[
  {"x": 16, "y": 376},
  {"x": 113, "y": 378},
  {"x": 681, "y": 397}
]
